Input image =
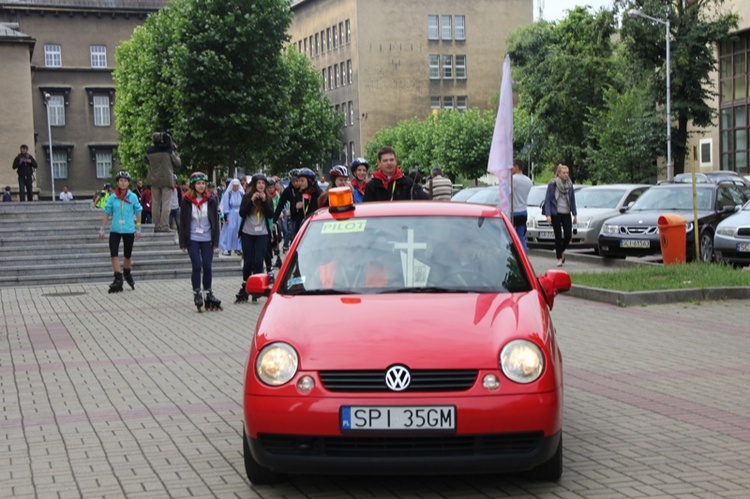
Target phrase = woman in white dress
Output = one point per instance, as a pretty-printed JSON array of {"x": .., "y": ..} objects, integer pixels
[{"x": 230, "y": 210}]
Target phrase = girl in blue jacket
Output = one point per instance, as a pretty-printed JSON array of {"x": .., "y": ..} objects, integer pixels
[{"x": 124, "y": 210}]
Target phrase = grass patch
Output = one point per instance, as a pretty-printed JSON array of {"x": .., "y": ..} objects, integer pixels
[{"x": 658, "y": 277}]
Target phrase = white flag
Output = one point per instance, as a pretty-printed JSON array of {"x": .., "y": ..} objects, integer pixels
[{"x": 501, "y": 150}]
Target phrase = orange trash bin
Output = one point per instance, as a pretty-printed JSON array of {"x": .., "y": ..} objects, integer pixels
[{"x": 673, "y": 238}]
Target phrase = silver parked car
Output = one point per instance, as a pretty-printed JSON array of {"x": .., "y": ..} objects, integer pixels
[{"x": 732, "y": 238}]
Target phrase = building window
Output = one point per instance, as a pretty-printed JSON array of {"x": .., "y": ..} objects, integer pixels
[
  {"x": 52, "y": 56},
  {"x": 351, "y": 151},
  {"x": 445, "y": 27},
  {"x": 60, "y": 164},
  {"x": 330, "y": 78},
  {"x": 325, "y": 79},
  {"x": 299, "y": 46},
  {"x": 341, "y": 34},
  {"x": 459, "y": 32},
  {"x": 336, "y": 79},
  {"x": 448, "y": 67},
  {"x": 328, "y": 35},
  {"x": 348, "y": 32},
  {"x": 311, "y": 46},
  {"x": 101, "y": 110},
  {"x": 335, "y": 36},
  {"x": 460, "y": 67},
  {"x": 434, "y": 67},
  {"x": 56, "y": 106},
  {"x": 704, "y": 152},
  {"x": 305, "y": 45},
  {"x": 432, "y": 27},
  {"x": 322, "y": 42},
  {"x": 462, "y": 103},
  {"x": 98, "y": 56},
  {"x": 350, "y": 72},
  {"x": 734, "y": 124},
  {"x": 338, "y": 108},
  {"x": 351, "y": 113},
  {"x": 103, "y": 164},
  {"x": 317, "y": 44},
  {"x": 434, "y": 102},
  {"x": 448, "y": 102}
]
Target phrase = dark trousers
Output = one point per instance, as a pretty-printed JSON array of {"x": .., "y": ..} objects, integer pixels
[
  {"x": 562, "y": 224},
  {"x": 253, "y": 251},
  {"x": 26, "y": 186},
  {"x": 114, "y": 244},
  {"x": 519, "y": 223},
  {"x": 202, "y": 257}
]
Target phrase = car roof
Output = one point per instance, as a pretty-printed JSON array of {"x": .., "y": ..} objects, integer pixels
[
  {"x": 412, "y": 208},
  {"x": 616, "y": 186}
]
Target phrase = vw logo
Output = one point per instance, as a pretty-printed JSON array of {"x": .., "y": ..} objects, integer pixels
[{"x": 397, "y": 378}]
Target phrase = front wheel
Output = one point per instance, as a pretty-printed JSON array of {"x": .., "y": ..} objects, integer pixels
[
  {"x": 550, "y": 470},
  {"x": 707, "y": 247},
  {"x": 257, "y": 474}
]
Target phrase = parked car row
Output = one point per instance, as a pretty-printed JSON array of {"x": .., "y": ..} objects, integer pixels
[{"x": 620, "y": 220}]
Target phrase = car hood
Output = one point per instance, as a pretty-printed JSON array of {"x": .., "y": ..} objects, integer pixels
[
  {"x": 597, "y": 213},
  {"x": 652, "y": 217},
  {"x": 422, "y": 331}
]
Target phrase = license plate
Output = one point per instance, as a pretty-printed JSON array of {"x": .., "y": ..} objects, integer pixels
[
  {"x": 440, "y": 417},
  {"x": 546, "y": 235},
  {"x": 743, "y": 247},
  {"x": 635, "y": 243}
]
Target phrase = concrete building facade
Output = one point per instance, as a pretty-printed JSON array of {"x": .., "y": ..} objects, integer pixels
[
  {"x": 383, "y": 61},
  {"x": 69, "y": 73},
  {"x": 726, "y": 146}
]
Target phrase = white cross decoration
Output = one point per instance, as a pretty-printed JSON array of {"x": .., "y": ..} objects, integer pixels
[{"x": 410, "y": 246}]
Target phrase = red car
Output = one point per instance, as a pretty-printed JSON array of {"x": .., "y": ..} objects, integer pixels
[{"x": 404, "y": 338}]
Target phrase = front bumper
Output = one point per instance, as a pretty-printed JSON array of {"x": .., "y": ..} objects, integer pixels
[
  {"x": 726, "y": 248},
  {"x": 494, "y": 433}
]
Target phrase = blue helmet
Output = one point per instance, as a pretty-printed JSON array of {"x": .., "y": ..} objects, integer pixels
[
  {"x": 308, "y": 174},
  {"x": 360, "y": 161}
]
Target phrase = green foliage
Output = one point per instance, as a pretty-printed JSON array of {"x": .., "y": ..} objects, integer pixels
[
  {"x": 562, "y": 70},
  {"x": 696, "y": 27},
  {"x": 458, "y": 142},
  {"x": 214, "y": 72}
]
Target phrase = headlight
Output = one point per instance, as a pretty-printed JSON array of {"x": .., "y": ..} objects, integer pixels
[
  {"x": 610, "y": 229},
  {"x": 530, "y": 222},
  {"x": 276, "y": 364},
  {"x": 584, "y": 223},
  {"x": 522, "y": 361},
  {"x": 726, "y": 231}
]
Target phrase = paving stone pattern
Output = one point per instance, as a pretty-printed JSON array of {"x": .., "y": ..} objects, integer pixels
[{"x": 135, "y": 394}]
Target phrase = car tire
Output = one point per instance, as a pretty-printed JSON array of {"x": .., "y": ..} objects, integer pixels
[
  {"x": 707, "y": 247},
  {"x": 257, "y": 474},
  {"x": 550, "y": 470}
]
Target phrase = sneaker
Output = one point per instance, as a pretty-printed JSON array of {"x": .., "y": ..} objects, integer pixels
[
  {"x": 238, "y": 252},
  {"x": 226, "y": 253}
]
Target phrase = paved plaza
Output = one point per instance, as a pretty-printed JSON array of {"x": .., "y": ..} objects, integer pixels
[{"x": 135, "y": 394}]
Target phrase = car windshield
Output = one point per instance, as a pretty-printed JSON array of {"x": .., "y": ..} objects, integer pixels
[
  {"x": 464, "y": 194},
  {"x": 666, "y": 197},
  {"x": 405, "y": 255},
  {"x": 599, "y": 198},
  {"x": 536, "y": 195}
]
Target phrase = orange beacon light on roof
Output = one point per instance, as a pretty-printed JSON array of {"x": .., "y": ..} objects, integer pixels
[{"x": 340, "y": 199}]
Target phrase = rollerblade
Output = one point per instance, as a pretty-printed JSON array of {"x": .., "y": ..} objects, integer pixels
[
  {"x": 116, "y": 285},
  {"x": 271, "y": 278},
  {"x": 212, "y": 303},
  {"x": 198, "y": 298},
  {"x": 241, "y": 296},
  {"x": 129, "y": 278}
]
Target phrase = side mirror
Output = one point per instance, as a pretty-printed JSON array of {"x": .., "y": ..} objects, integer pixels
[
  {"x": 257, "y": 284},
  {"x": 552, "y": 282}
]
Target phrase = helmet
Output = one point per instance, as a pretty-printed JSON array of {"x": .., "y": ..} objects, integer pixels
[
  {"x": 360, "y": 161},
  {"x": 270, "y": 181},
  {"x": 258, "y": 176},
  {"x": 122, "y": 174},
  {"x": 294, "y": 172},
  {"x": 339, "y": 171},
  {"x": 195, "y": 177},
  {"x": 308, "y": 174},
  {"x": 107, "y": 185},
  {"x": 211, "y": 184}
]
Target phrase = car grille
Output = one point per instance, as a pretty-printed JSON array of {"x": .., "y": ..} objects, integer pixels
[
  {"x": 743, "y": 231},
  {"x": 543, "y": 224},
  {"x": 421, "y": 381},
  {"x": 400, "y": 446},
  {"x": 638, "y": 230}
]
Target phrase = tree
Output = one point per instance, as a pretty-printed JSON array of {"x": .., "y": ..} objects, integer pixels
[
  {"x": 562, "y": 70},
  {"x": 309, "y": 126},
  {"x": 696, "y": 27},
  {"x": 212, "y": 71}
]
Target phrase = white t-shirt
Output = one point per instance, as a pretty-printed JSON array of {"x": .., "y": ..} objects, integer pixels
[{"x": 66, "y": 196}]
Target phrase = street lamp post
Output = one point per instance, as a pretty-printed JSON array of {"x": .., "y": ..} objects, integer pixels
[
  {"x": 633, "y": 13},
  {"x": 49, "y": 135}
]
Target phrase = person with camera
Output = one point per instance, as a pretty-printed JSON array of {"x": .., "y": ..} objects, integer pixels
[
  {"x": 162, "y": 160},
  {"x": 25, "y": 165},
  {"x": 255, "y": 211}
]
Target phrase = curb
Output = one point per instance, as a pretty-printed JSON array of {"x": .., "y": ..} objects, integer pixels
[{"x": 641, "y": 298}]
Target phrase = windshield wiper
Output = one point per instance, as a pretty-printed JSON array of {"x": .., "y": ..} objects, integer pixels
[
  {"x": 427, "y": 289},
  {"x": 323, "y": 292}
]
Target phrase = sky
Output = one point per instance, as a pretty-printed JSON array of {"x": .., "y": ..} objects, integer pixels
[{"x": 554, "y": 10}]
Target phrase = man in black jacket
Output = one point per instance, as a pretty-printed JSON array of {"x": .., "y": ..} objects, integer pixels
[
  {"x": 25, "y": 164},
  {"x": 388, "y": 183}
]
